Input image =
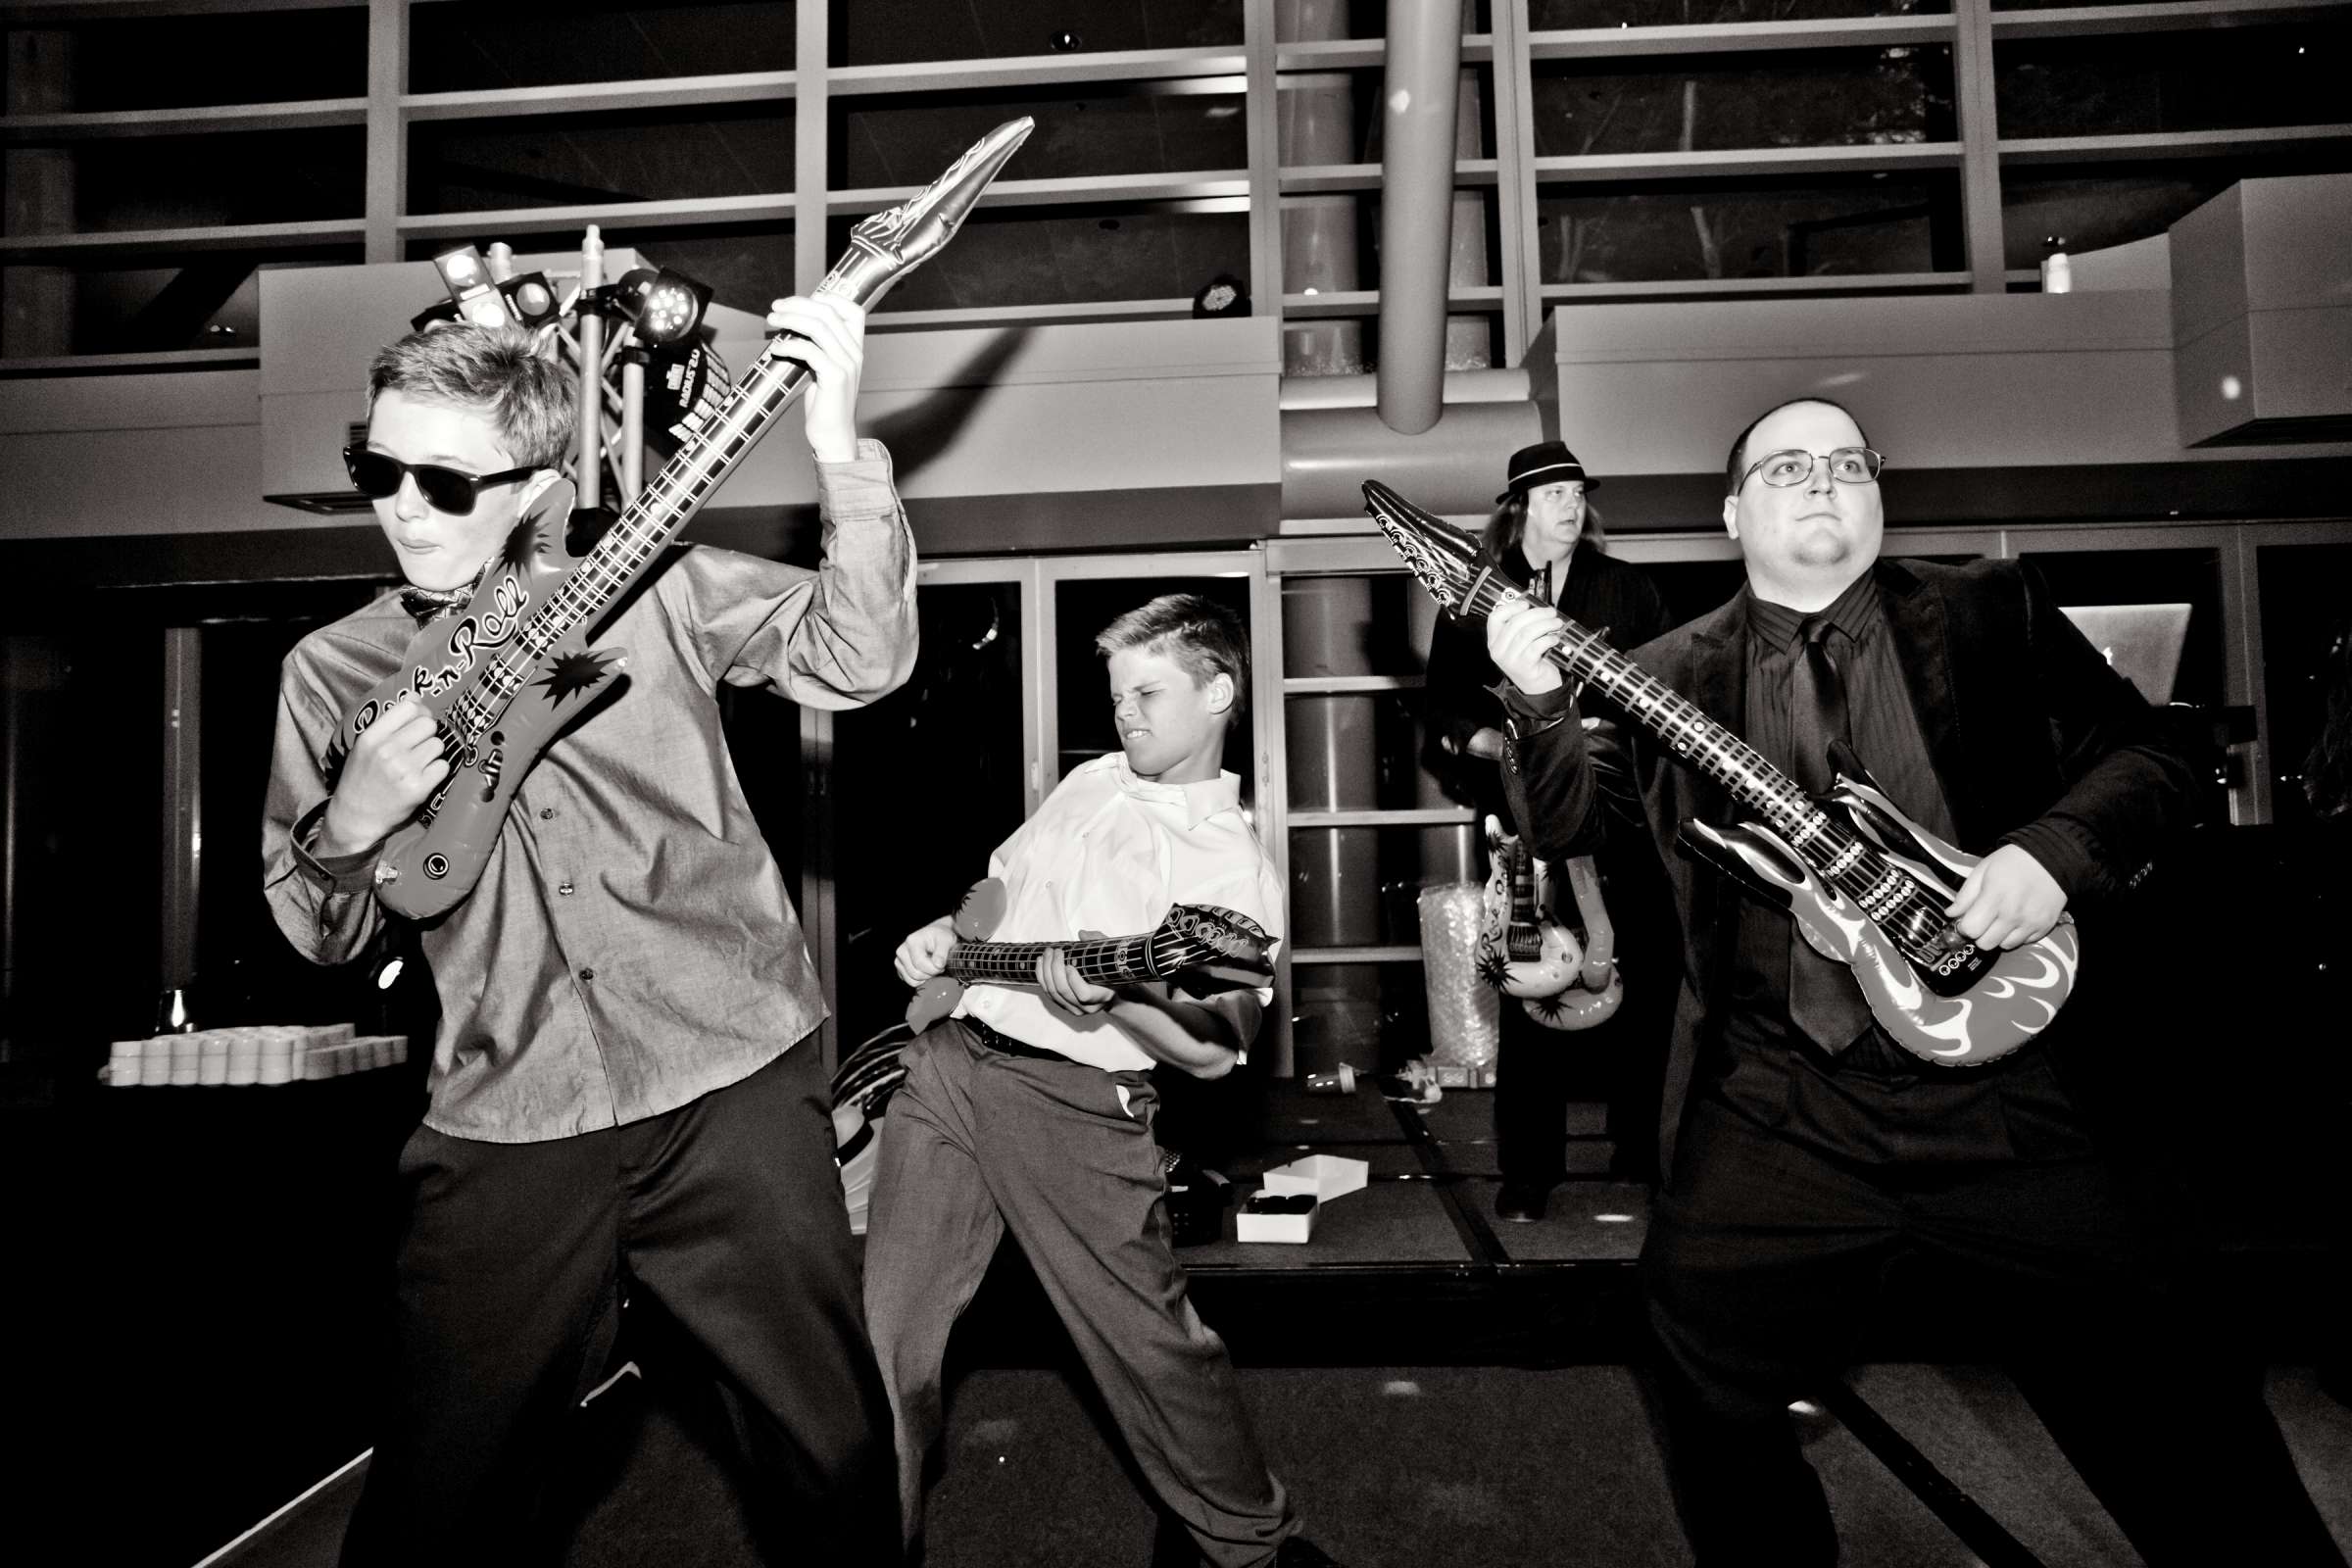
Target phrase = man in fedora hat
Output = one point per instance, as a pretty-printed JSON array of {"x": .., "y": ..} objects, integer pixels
[{"x": 1545, "y": 535}]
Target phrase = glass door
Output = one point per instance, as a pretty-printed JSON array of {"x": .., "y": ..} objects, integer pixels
[
  {"x": 907, "y": 797},
  {"x": 904, "y": 798}
]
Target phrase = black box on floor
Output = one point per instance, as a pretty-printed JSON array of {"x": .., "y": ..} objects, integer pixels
[{"x": 1197, "y": 1202}]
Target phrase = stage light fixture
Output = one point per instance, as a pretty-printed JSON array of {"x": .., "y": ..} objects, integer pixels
[
  {"x": 465, "y": 273},
  {"x": 530, "y": 299},
  {"x": 666, "y": 306}
]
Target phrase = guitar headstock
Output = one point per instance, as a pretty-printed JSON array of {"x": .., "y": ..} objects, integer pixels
[
  {"x": 1448, "y": 561},
  {"x": 1203, "y": 937},
  {"x": 887, "y": 245}
]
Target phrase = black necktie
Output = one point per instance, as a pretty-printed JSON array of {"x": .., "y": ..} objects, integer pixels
[
  {"x": 1815, "y": 704},
  {"x": 1823, "y": 999}
]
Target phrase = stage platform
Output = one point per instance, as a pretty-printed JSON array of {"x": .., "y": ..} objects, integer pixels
[{"x": 1420, "y": 1243}]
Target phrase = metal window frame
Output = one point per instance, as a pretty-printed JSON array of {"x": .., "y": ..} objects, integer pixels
[{"x": 384, "y": 228}]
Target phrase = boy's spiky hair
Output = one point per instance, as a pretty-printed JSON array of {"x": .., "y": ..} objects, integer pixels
[
  {"x": 1203, "y": 636},
  {"x": 529, "y": 399}
]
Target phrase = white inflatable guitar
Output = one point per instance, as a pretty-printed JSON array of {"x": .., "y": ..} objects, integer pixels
[{"x": 1524, "y": 953}]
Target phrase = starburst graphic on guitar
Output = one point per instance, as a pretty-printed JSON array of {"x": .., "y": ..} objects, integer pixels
[
  {"x": 526, "y": 543},
  {"x": 571, "y": 674}
]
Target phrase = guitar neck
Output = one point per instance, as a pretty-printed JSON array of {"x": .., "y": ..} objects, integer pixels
[
  {"x": 1523, "y": 888},
  {"x": 712, "y": 449},
  {"x": 1584, "y": 655},
  {"x": 1101, "y": 961}
]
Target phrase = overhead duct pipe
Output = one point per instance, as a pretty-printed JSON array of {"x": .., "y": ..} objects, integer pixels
[
  {"x": 1328, "y": 453},
  {"x": 1416, "y": 215}
]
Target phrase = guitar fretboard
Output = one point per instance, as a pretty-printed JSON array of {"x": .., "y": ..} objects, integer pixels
[
  {"x": 665, "y": 505},
  {"x": 1836, "y": 854},
  {"x": 1103, "y": 961}
]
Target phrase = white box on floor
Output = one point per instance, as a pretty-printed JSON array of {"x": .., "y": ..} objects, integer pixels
[
  {"x": 1289, "y": 1224},
  {"x": 1326, "y": 1176}
]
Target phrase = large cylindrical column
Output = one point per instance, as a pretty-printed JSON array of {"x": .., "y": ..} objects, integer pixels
[
  {"x": 1469, "y": 346},
  {"x": 1315, "y": 123},
  {"x": 1335, "y": 872},
  {"x": 1419, "y": 98}
]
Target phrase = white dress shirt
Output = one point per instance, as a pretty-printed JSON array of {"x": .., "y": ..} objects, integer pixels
[{"x": 1111, "y": 853}]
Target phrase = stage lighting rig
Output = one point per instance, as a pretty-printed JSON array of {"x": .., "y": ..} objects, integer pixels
[
  {"x": 531, "y": 298},
  {"x": 478, "y": 294},
  {"x": 665, "y": 308},
  {"x": 465, "y": 273}
]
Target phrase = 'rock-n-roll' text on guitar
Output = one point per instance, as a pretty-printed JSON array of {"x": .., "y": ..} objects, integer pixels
[{"x": 1865, "y": 883}]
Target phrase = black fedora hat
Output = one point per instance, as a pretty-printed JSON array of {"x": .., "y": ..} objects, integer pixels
[{"x": 1544, "y": 463}]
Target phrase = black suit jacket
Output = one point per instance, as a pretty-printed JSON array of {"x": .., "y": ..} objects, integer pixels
[
  {"x": 1601, "y": 592},
  {"x": 2035, "y": 740}
]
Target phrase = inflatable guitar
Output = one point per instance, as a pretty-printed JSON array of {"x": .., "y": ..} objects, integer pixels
[
  {"x": 1525, "y": 953},
  {"x": 1522, "y": 951},
  {"x": 1865, "y": 883},
  {"x": 1194, "y": 938},
  {"x": 506, "y": 677}
]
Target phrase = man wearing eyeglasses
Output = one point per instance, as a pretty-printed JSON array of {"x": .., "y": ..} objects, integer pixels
[
  {"x": 624, "y": 1103},
  {"x": 1807, "y": 1159}
]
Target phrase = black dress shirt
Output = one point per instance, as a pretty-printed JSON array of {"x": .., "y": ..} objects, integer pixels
[
  {"x": 1876, "y": 1100},
  {"x": 1463, "y": 691}
]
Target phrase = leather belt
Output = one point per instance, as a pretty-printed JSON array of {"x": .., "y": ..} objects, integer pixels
[{"x": 1006, "y": 1045}]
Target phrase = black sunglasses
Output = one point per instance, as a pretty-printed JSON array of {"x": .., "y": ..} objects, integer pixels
[{"x": 377, "y": 475}]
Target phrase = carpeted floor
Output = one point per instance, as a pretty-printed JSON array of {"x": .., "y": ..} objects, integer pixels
[{"x": 1420, "y": 1467}]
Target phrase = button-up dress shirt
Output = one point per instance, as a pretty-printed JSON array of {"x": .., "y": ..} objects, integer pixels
[
  {"x": 1111, "y": 853},
  {"x": 630, "y": 945},
  {"x": 1876, "y": 1100}
]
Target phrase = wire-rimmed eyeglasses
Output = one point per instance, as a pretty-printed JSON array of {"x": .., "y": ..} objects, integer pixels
[{"x": 1848, "y": 466}]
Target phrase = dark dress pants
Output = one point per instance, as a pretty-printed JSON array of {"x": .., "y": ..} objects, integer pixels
[
  {"x": 512, "y": 1262},
  {"x": 1765, "y": 1260}
]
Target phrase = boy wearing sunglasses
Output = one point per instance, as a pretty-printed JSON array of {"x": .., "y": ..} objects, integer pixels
[{"x": 616, "y": 1107}]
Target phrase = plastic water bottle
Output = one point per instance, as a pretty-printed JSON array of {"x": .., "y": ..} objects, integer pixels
[{"x": 2057, "y": 274}]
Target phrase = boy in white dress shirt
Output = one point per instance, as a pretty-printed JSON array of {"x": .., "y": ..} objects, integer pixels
[{"x": 1031, "y": 1109}]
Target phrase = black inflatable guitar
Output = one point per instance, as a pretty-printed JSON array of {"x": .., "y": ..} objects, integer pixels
[
  {"x": 1192, "y": 938},
  {"x": 505, "y": 677}
]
